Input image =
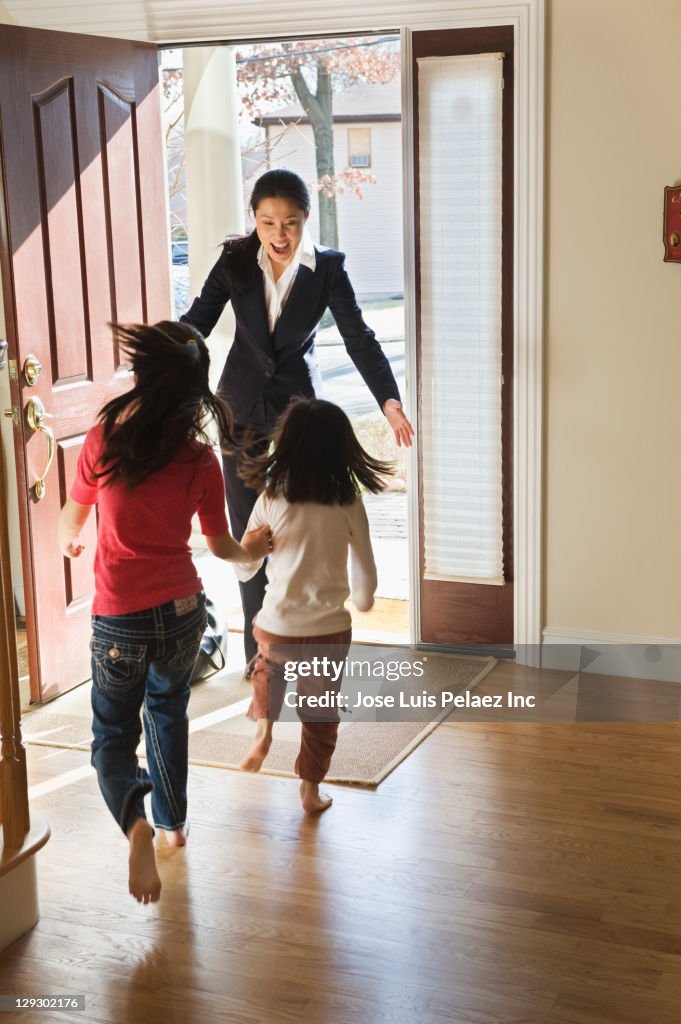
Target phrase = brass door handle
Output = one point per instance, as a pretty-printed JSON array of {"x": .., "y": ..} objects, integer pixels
[{"x": 35, "y": 417}]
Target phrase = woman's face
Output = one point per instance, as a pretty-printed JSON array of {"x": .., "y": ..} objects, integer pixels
[{"x": 279, "y": 224}]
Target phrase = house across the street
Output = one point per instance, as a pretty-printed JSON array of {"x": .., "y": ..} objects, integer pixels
[{"x": 368, "y": 138}]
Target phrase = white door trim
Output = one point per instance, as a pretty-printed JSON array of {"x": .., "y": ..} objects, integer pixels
[
  {"x": 410, "y": 396},
  {"x": 528, "y": 343}
]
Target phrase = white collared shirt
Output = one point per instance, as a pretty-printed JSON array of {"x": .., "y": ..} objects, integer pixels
[{"x": 277, "y": 292}]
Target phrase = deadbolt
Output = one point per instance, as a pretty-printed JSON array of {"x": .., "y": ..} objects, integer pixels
[{"x": 32, "y": 369}]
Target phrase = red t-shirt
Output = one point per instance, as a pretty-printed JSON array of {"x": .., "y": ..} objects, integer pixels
[{"x": 143, "y": 557}]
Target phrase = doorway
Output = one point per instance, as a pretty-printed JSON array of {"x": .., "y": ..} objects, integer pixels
[
  {"x": 527, "y": 283},
  {"x": 356, "y": 189}
]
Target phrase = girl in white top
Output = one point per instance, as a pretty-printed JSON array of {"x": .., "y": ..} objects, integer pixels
[{"x": 310, "y": 500}]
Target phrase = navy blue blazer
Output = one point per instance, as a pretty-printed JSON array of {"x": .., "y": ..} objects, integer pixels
[{"x": 282, "y": 364}]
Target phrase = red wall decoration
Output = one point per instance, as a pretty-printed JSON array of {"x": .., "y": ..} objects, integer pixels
[{"x": 672, "y": 224}]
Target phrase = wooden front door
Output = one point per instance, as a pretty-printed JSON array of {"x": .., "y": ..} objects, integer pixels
[{"x": 83, "y": 240}]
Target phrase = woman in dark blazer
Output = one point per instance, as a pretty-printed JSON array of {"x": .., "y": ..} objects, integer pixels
[{"x": 280, "y": 286}]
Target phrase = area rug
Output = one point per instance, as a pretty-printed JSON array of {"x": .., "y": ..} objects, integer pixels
[{"x": 221, "y": 734}]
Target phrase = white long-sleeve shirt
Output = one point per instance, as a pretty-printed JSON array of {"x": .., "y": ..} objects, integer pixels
[{"x": 307, "y": 572}]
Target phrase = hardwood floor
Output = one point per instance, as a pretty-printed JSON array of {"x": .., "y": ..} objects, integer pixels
[{"x": 503, "y": 874}]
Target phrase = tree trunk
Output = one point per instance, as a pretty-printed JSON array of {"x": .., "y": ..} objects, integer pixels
[{"x": 319, "y": 108}]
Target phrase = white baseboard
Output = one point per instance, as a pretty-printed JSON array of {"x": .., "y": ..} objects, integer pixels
[{"x": 612, "y": 654}]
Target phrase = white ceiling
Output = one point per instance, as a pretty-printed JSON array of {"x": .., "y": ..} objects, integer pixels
[{"x": 180, "y": 21}]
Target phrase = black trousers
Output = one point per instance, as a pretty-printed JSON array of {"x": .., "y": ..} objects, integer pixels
[{"x": 240, "y": 502}]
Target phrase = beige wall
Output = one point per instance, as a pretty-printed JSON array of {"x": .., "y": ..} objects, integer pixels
[{"x": 613, "y": 321}]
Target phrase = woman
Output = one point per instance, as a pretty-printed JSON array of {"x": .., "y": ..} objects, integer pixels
[{"x": 280, "y": 285}]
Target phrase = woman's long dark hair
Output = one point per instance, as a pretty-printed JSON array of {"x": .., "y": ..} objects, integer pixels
[
  {"x": 170, "y": 404},
  {"x": 241, "y": 251},
  {"x": 315, "y": 457}
]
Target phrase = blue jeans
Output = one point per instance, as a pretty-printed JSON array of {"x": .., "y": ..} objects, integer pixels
[{"x": 144, "y": 661}]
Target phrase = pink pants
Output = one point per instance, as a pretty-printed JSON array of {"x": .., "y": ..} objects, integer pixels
[{"x": 318, "y": 740}]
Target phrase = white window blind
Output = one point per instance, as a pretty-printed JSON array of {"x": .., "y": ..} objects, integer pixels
[{"x": 460, "y": 135}]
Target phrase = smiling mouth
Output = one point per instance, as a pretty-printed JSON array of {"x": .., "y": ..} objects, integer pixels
[{"x": 280, "y": 250}]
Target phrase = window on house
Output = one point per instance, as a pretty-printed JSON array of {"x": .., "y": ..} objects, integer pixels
[{"x": 359, "y": 147}]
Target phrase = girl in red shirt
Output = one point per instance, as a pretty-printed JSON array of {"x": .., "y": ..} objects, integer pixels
[{"x": 148, "y": 465}]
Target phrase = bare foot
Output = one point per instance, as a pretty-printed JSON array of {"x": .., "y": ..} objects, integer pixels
[
  {"x": 176, "y": 836},
  {"x": 255, "y": 756},
  {"x": 313, "y": 800},
  {"x": 260, "y": 749},
  {"x": 144, "y": 882}
]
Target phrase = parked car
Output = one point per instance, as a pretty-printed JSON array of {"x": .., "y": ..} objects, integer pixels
[{"x": 180, "y": 252}]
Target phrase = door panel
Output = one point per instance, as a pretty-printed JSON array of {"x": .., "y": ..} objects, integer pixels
[
  {"x": 451, "y": 612},
  {"x": 83, "y": 240},
  {"x": 56, "y": 148},
  {"x": 120, "y": 185}
]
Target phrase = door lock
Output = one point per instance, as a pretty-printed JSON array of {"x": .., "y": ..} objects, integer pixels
[{"x": 31, "y": 369}]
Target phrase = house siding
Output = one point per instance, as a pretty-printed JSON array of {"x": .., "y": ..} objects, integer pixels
[{"x": 369, "y": 229}]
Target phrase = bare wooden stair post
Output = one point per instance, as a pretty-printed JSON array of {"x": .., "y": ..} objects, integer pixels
[{"x": 20, "y": 842}]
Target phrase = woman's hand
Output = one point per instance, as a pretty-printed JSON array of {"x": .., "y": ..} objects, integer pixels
[
  {"x": 258, "y": 542},
  {"x": 394, "y": 413}
]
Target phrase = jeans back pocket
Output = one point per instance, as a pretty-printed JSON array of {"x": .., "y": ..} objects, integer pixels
[
  {"x": 186, "y": 651},
  {"x": 117, "y": 666}
]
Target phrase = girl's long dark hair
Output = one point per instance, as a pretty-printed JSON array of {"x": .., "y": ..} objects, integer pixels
[
  {"x": 170, "y": 404},
  {"x": 315, "y": 457},
  {"x": 241, "y": 251}
]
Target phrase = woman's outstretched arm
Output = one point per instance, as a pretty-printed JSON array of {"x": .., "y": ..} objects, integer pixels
[
  {"x": 206, "y": 309},
  {"x": 367, "y": 354}
]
